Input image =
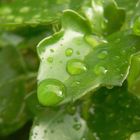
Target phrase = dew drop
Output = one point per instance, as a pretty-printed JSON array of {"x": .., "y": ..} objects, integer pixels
[
  {"x": 52, "y": 131},
  {"x": 50, "y": 59},
  {"x": 78, "y": 53},
  {"x": 77, "y": 126},
  {"x": 109, "y": 86},
  {"x": 135, "y": 136},
  {"x": 69, "y": 52},
  {"x": 45, "y": 131},
  {"x": 50, "y": 92},
  {"x": 51, "y": 50},
  {"x": 103, "y": 55},
  {"x": 100, "y": 70},
  {"x": 71, "y": 110},
  {"x": 75, "y": 66}
]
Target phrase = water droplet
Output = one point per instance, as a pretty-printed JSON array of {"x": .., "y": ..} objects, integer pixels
[
  {"x": 51, "y": 50},
  {"x": 50, "y": 59},
  {"x": 52, "y": 131},
  {"x": 135, "y": 136},
  {"x": 77, "y": 126},
  {"x": 71, "y": 110},
  {"x": 75, "y": 66},
  {"x": 50, "y": 92},
  {"x": 103, "y": 54},
  {"x": 109, "y": 86},
  {"x": 24, "y": 9},
  {"x": 45, "y": 131},
  {"x": 68, "y": 52},
  {"x": 100, "y": 70}
]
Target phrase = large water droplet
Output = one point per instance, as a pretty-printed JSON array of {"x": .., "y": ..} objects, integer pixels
[
  {"x": 50, "y": 92},
  {"x": 69, "y": 52},
  {"x": 135, "y": 136},
  {"x": 75, "y": 66},
  {"x": 103, "y": 54}
]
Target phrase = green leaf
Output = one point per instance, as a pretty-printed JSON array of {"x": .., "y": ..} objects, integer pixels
[
  {"x": 70, "y": 58},
  {"x": 17, "y": 12},
  {"x": 134, "y": 75},
  {"x": 100, "y": 18},
  {"x": 132, "y": 10},
  {"x": 59, "y": 125},
  {"x": 114, "y": 114},
  {"x": 12, "y": 105}
]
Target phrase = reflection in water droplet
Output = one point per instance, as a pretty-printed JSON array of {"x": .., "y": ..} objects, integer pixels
[
  {"x": 50, "y": 92},
  {"x": 75, "y": 66},
  {"x": 103, "y": 54},
  {"x": 68, "y": 52},
  {"x": 100, "y": 70},
  {"x": 50, "y": 59},
  {"x": 77, "y": 126},
  {"x": 135, "y": 136}
]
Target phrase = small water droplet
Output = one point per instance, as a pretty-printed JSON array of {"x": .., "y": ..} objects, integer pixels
[
  {"x": 100, "y": 70},
  {"x": 71, "y": 110},
  {"x": 77, "y": 126},
  {"x": 50, "y": 92},
  {"x": 103, "y": 55},
  {"x": 45, "y": 131},
  {"x": 51, "y": 50},
  {"x": 75, "y": 66},
  {"x": 52, "y": 131},
  {"x": 109, "y": 86},
  {"x": 78, "y": 53},
  {"x": 69, "y": 52},
  {"x": 50, "y": 59}
]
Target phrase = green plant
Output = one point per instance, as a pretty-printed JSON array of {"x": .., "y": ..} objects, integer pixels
[{"x": 87, "y": 85}]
